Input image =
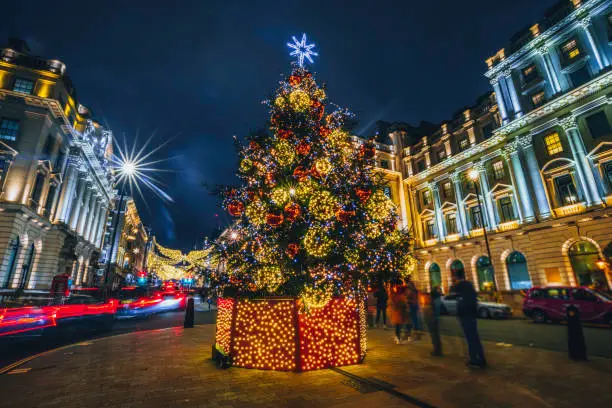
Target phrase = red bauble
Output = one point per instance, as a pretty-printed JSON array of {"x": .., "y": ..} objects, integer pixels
[
  {"x": 314, "y": 172},
  {"x": 303, "y": 148},
  {"x": 344, "y": 216},
  {"x": 308, "y": 75},
  {"x": 253, "y": 145},
  {"x": 300, "y": 173},
  {"x": 235, "y": 208},
  {"x": 274, "y": 220},
  {"x": 324, "y": 131},
  {"x": 284, "y": 134},
  {"x": 292, "y": 211},
  {"x": 292, "y": 250},
  {"x": 294, "y": 80},
  {"x": 363, "y": 194}
]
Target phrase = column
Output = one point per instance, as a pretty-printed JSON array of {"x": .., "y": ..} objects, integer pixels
[
  {"x": 551, "y": 74},
  {"x": 463, "y": 226},
  {"x": 582, "y": 164},
  {"x": 66, "y": 200},
  {"x": 588, "y": 30},
  {"x": 102, "y": 222},
  {"x": 92, "y": 217},
  {"x": 539, "y": 190},
  {"x": 484, "y": 190},
  {"x": 511, "y": 153},
  {"x": 500, "y": 100},
  {"x": 513, "y": 95},
  {"x": 77, "y": 204},
  {"x": 439, "y": 215},
  {"x": 85, "y": 209}
]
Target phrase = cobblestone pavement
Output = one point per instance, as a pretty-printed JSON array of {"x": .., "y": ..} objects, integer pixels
[{"x": 172, "y": 367}]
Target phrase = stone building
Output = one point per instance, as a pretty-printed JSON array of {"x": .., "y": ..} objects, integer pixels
[
  {"x": 55, "y": 178},
  {"x": 530, "y": 162}
]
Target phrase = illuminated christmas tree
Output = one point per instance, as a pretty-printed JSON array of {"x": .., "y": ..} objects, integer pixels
[{"x": 312, "y": 219}]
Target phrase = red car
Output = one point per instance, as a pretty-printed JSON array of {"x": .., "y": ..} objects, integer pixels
[{"x": 544, "y": 304}]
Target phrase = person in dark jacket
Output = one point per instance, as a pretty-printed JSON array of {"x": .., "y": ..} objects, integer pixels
[
  {"x": 381, "y": 305},
  {"x": 467, "y": 311}
]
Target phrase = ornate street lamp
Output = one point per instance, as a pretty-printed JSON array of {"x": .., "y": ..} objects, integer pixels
[{"x": 473, "y": 175}]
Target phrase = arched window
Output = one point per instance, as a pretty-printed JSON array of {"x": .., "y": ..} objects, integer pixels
[
  {"x": 517, "y": 271},
  {"x": 484, "y": 270},
  {"x": 435, "y": 276},
  {"x": 26, "y": 269},
  {"x": 15, "y": 245},
  {"x": 584, "y": 256},
  {"x": 457, "y": 268}
]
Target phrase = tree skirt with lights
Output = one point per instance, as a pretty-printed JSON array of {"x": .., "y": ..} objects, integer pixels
[{"x": 275, "y": 334}]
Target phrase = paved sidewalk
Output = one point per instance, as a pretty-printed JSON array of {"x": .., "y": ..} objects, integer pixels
[{"x": 172, "y": 367}]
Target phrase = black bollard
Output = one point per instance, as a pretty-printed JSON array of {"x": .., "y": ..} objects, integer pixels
[
  {"x": 434, "y": 331},
  {"x": 189, "y": 313},
  {"x": 576, "y": 346}
]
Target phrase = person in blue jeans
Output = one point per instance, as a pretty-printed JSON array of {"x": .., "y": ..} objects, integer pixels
[{"x": 467, "y": 311}]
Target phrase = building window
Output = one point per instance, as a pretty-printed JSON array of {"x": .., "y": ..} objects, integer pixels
[
  {"x": 420, "y": 165},
  {"x": 451, "y": 224},
  {"x": 553, "y": 144},
  {"x": 484, "y": 271},
  {"x": 607, "y": 170},
  {"x": 12, "y": 263},
  {"x": 529, "y": 73},
  {"x": 566, "y": 190},
  {"x": 476, "y": 217},
  {"x": 426, "y": 197},
  {"x": 570, "y": 50},
  {"x": 384, "y": 164},
  {"x": 580, "y": 76},
  {"x": 464, "y": 144},
  {"x": 37, "y": 190},
  {"x": 537, "y": 99},
  {"x": 598, "y": 125},
  {"x": 26, "y": 268},
  {"x": 22, "y": 85},
  {"x": 9, "y": 129},
  {"x": 517, "y": 271},
  {"x": 441, "y": 155},
  {"x": 429, "y": 229},
  {"x": 498, "y": 170},
  {"x": 448, "y": 190},
  {"x": 506, "y": 212},
  {"x": 487, "y": 130}
]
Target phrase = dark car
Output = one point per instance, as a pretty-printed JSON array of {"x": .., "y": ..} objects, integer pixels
[{"x": 544, "y": 304}]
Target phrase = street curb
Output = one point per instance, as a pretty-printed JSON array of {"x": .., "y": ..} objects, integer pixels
[{"x": 25, "y": 360}]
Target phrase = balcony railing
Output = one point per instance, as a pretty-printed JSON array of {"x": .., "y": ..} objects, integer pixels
[
  {"x": 452, "y": 237},
  {"x": 570, "y": 210},
  {"x": 477, "y": 232},
  {"x": 430, "y": 242}
]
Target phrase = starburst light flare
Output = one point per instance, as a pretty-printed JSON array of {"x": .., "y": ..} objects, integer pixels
[
  {"x": 134, "y": 168},
  {"x": 302, "y": 50}
]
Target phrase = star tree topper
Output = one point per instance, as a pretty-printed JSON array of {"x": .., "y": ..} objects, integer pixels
[{"x": 302, "y": 50}]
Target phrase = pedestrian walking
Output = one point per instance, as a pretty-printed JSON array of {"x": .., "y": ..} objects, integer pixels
[
  {"x": 399, "y": 311},
  {"x": 413, "y": 303},
  {"x": 436, "y": 301},
  {"x": 381, "y": 305},
  {"x": 467, "y": 311}
]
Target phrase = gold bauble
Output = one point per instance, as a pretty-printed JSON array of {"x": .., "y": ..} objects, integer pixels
[
  {"x": 284, "y": 152},
  {"x": 299, "y": 100},
  {"x": 317, "y": 242},
  {"x": 323, "y": 166},
  {"x": 379, "y": 206},
  {"x": 280, "y": 196},
  {"x": 322, "y": 205},
  {"x": 256, "y": 213}
]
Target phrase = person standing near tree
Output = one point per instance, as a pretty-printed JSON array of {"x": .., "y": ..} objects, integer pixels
[
  {"x": 381, "y": 305},
  {"x": 467, "y": 311},
  {"x": 413, "y": 303},
  {"x": 399, "y": 312}
]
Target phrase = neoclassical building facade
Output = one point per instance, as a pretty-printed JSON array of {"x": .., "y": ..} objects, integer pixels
[
  {"x": 530, "y": 163},
  {"x": 55, "y": 177}
]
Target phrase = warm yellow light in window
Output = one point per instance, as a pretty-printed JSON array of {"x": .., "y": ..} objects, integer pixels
[
  {"x": 553, "y": 144},
  {"x": 574, "y": 53}
]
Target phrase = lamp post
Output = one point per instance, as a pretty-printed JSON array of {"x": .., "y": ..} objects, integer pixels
[
  {"x": 126, "y": 170},
  {"x": 474, "y": 175}
]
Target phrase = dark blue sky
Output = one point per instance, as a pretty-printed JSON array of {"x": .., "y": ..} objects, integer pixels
[{"x": 196, "y": 71}]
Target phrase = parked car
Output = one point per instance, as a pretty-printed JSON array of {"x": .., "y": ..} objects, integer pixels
[
  {"x": 544, "y": 304},
  {"x": 486, "y": 310}
]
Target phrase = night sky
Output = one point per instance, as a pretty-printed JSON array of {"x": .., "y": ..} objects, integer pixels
[{"x": 197, "y": 71}]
